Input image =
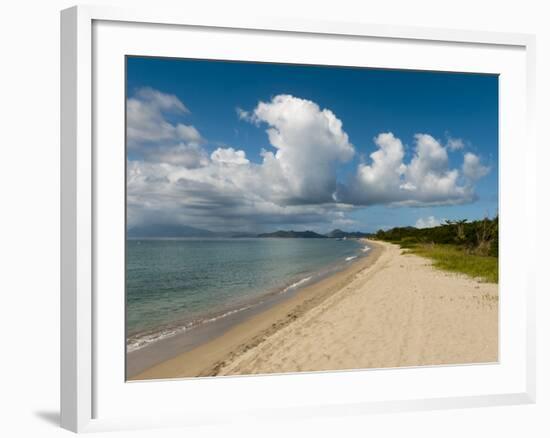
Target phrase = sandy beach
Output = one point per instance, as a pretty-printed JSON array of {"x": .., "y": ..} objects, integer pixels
[{"x": 389, "y": 309}]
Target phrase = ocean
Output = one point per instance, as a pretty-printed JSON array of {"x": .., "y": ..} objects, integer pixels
[{"x": 176, "y": 285}]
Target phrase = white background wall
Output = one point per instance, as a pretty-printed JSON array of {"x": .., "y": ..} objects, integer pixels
[{"x": 29, "y": 218}]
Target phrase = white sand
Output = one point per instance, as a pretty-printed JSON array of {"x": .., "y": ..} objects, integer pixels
[
  {"x": 387, "y": 310},
  {"x": 399, "y": 312}
]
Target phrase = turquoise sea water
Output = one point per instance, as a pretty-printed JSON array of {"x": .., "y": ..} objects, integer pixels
[{"x": 173, "y": 285}]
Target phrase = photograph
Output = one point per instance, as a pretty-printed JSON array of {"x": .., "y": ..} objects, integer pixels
[
  {"x": 267, "y": 220},
  {"x": 287, "y": 218}
]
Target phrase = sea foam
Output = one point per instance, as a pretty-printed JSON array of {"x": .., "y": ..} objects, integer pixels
[
  {"x": 140, "y": 341},
  {"x": 295, "y": 285}
]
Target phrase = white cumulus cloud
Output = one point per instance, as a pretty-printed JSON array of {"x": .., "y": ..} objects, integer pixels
[
  {"x": 229, "y": 156},
  {"x": 146, "y": 122},
  {"x": 455, "y": 144},
  {"x": 428, "y": 222},
  {"x": 382, "y": 179},
  {"x": 309, "y": 143},
  {"x": 426, "y": 179},
  {"x": 472, "y": 167},
  {"x": 150, "y": 134}
]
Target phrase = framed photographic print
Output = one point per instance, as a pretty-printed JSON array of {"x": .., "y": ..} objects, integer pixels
[{"x": 262, "y": 207}]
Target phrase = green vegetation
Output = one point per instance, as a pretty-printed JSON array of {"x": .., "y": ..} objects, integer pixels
[
  {"x": 458, "y": 246},
  {"x": 454, "y": 259}
]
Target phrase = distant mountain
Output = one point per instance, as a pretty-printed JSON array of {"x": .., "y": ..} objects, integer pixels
[
  {"x": 166, "y": 231},
  {"x": 337, "y": 233},
  {"x": 341, "y": 234},
  {"x": 294, "y": 234},
  {"x": 158, "y": 230},
  {"x": 235, "y": 234}
]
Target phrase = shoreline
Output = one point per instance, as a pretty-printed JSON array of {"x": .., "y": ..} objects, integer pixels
[
  {"x": 140, "y": 339},
  {"x": 392, "y": 309},
  {"x": 207, "y": 357}
]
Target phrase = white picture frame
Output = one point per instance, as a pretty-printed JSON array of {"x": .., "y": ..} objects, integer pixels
[{"x": 84, "y": 383}]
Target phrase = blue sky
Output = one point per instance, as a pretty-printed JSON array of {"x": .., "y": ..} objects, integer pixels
[{"x": 217, "y": 106}]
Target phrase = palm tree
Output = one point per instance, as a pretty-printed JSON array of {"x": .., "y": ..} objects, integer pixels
[{"x": 460, "y": 235}]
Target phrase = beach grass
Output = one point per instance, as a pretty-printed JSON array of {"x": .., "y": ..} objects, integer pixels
[{"x": 457, "y": 259}]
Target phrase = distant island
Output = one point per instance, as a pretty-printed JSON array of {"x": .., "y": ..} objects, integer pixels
[
  {"x": 334, "y": 234},
  {"x": 345, "y": 234},
  {"x": 182, "y": 231},
  {"x": 294, "y": 234}
]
